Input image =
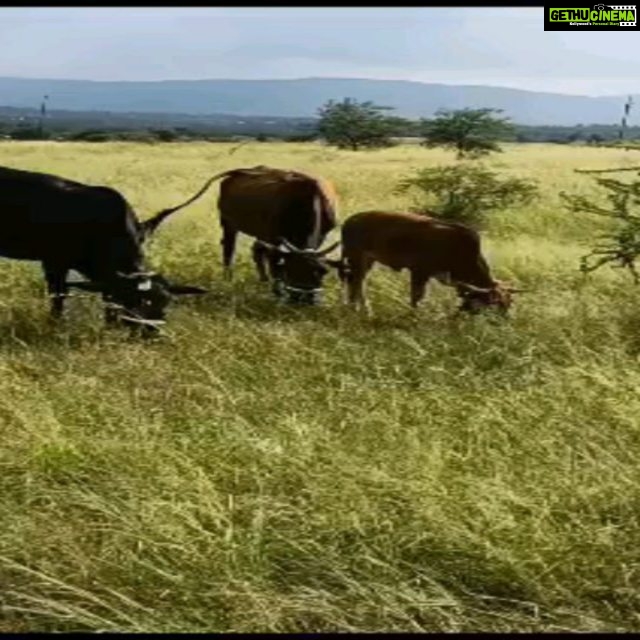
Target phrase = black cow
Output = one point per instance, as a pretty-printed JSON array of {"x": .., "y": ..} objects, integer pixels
[{"x": 91, "y": 229}]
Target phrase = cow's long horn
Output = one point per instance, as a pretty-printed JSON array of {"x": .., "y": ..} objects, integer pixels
[
  {"x": 136, "y": 274},
  {"x": 267, "y": 245},
  {"x": 505, "y": 286},
  {"x": 470, "y": 287},
  {"x": 144, "y": 321},
  {"x": 289, "y": 246},
  {"x": 328, "y": 250}
]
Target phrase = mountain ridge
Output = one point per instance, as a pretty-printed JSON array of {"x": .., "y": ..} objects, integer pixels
[{"x": 301, "y": 98}]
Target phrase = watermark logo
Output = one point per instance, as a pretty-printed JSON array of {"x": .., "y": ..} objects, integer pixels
[{"x": 598, "y": 16}]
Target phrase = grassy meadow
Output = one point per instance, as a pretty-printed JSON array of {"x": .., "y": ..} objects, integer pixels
[{"x": 264, "y": 468}]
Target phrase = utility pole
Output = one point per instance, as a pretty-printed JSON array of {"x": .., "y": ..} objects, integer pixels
[
  {"x": 627, "y": 109},
  {"x": 43, "y": 113}
]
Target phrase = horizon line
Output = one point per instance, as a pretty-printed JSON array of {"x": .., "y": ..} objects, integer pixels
[{"x": 307, "y": 78}]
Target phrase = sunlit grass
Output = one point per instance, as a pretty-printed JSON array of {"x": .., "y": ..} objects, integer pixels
[{"x": 273, "y": 469}]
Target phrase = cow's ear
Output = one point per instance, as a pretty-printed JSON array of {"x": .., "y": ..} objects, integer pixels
[
  {"x": 85, "y": 286},
  {"x": 185, "y": 290}
]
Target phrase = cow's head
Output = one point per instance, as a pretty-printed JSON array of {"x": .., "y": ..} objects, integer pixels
[
  {"x": 499, "y": 296},
  {"x": 299, "y": 273},
  {"x": 138, "y": 298}
]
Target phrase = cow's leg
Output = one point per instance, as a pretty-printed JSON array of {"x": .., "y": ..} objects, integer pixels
[
  {"x": 273, "y": 259},
  {"x": 56, "y": 278},
  {"x": 358, "y": 270},
  {"x": 228, "y": 249},
  {"x": 111, "y": 312},
  {"x": 276, "y": 272},
  {"x": 260, "y": 253},
  {"x": 418, "y": 287}
]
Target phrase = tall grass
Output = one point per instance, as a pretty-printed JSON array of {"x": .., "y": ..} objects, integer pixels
[{"x": 269, "y": 469}]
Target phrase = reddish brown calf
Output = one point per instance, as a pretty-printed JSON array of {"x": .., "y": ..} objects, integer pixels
[{"x": 428, "y": 248}]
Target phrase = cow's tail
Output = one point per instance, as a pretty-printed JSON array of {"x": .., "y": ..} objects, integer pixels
[
  {"x": 150, "y": 225},
  {"x": 326, "y": 221},
  {"x": 326, "y": 215}
]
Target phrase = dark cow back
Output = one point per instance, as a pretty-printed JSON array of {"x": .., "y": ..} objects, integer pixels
[{"x": 48, "y": 218}]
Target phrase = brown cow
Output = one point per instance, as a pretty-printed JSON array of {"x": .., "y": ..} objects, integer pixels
[
  {"x": 428, "y": 248},
  {"x": 289, "y": 214}
]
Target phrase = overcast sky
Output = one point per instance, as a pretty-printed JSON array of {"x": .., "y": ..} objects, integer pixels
[{"x": 492, "y": 46}]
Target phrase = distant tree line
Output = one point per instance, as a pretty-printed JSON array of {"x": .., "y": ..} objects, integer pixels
[
  {"x": 348, "y": 124},
  {"x": 149, "y": 135},
  {"x": 354, "y": 125}
]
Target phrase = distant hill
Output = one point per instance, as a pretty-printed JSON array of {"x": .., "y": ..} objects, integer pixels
[{"x": 301, "y": 98}]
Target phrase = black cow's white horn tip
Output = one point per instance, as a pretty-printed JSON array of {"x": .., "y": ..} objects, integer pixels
[
  {"x": 144, "y": 321},
  {"x": 267, "y": 245},
  {"x": 290, "y": 246},
  {"x": 329, "y": 249}
]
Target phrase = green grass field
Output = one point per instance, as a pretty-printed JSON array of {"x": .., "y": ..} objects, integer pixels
[{"x": 273, "y": 469}]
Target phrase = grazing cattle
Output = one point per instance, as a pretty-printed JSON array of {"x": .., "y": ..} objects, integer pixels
[
  {"x": 289, "y": 214},
  {"x": 91, "y": 229},
  {"x": 428, "y": 248}
]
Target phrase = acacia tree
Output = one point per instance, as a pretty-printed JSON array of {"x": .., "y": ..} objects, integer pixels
[
  {"x": 471, "y": 132},
  {"x": 350, "y": 124},
  {"x": 466, "y": 192},
  {"x": 620, "y": 246}
]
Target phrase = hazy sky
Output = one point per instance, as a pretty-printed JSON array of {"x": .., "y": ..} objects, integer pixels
[{"x": 501, "y": 47}]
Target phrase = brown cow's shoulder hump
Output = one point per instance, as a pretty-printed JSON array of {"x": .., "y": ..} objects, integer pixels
[
  {"x": 390, "y": 217},
  {"x": 262, "y": 173}
]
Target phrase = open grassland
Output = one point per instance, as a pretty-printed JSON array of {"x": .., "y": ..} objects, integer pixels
[{"x": 273, "y": 469}]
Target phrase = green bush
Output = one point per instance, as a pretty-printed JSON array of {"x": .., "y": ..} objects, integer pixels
[
  {"x": 92, "y": 135},
  {"x": 301, "y": 137},
  {"x": 29, "y": 133},
  {"x": 466, "y": 193},
  {"x": 164, "y": 135}
]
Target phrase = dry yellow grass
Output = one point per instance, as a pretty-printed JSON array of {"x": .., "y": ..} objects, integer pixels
[{"x": 269, "y": 469}]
